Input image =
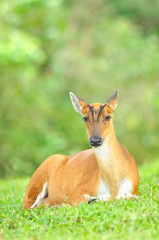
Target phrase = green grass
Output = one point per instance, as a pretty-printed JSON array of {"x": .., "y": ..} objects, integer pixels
[{"x": 121, "y": 219}]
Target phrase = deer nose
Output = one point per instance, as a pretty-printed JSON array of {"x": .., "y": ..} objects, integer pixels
[{"x": 95, "y": 141}]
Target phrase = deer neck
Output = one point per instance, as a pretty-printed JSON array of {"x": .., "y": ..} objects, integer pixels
[
  {"x": 107, "y": 153},
  {"x": 107, "y": 156}
]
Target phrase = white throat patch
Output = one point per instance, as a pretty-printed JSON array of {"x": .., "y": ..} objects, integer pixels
[{"x": 102, "y": 152}]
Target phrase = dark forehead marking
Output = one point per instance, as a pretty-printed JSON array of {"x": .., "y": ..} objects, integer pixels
[
  {"x": 91, "y": 109},
  {"x": 101, "y": 109}
]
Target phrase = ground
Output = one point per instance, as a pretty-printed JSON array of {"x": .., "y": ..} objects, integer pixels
[{"x": 121, "y": 219}]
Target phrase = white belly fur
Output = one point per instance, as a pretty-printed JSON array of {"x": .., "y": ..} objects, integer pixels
[
  {"x": 125, "y": 190},
  {"x": 103, "y": 192}
]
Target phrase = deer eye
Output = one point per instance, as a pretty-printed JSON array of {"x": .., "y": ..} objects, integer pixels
[
  {"x": 107, "y": 118},
  {"x": 85, "y": 119}
]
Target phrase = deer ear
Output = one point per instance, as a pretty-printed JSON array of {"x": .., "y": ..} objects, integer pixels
[
  {"x": 77, "y": 102},
  {"x": 113, "y": 100}
]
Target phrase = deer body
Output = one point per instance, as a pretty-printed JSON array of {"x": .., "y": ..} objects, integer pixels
[{"x": 104, "y": 173}]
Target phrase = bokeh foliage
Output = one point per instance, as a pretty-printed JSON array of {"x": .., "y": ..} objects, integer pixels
[{"x": 48, "y": 48}]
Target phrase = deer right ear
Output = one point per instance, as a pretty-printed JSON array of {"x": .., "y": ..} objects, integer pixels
[
  {"x": 113, "y": 100},
  {"x": 77, "y": 102}
]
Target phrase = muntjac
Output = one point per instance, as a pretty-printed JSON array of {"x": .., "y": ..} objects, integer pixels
[{"x": 106, "y": 172}]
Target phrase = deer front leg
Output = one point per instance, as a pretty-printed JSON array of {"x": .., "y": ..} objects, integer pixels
[
  {"x": 91, "y": 199},
  {"x": 101, "y": 197},
  {"x": 76, "y": 200},
  {"x": 84, "y": 198}
]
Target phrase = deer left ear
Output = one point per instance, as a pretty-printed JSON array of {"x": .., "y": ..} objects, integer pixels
[
  {"x": 77, "y": 102},
  {"x": 113, "y": 100}
]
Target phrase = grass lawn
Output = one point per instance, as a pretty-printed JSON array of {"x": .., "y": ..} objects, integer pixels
[{"x": 121, "y": 219}]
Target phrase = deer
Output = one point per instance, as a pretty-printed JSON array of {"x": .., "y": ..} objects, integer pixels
[{"x": 103, "y": 173}]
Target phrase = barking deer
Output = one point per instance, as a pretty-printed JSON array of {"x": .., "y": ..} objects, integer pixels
[{"x": 106, "y": 172}]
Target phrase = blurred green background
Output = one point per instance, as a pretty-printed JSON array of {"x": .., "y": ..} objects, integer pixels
[{"x": 93, "y": 47}]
